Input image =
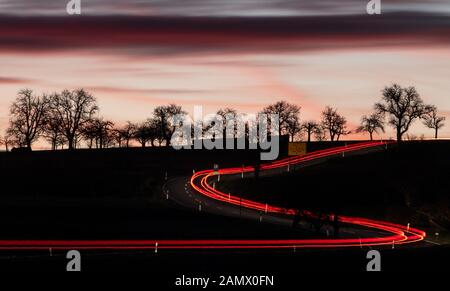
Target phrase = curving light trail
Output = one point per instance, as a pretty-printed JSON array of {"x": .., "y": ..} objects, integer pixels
[
  {"x": 398, "y": 234},
  {"x": 395, "y": 234}
]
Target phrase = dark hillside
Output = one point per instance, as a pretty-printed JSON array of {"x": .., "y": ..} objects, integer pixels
[{"x": 409, "y": 183}]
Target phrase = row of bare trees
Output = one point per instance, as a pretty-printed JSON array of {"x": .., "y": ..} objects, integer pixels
[
  {"x": 402, "y": 106},
  {"x": 69, "y": 118},
  {"x": 332, "y": 124}
]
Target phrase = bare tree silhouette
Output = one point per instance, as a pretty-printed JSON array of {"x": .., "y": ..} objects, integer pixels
[
  {"x": 72, "y": 110},
  {"x": 162, "y": 116},
  {"x": 294, "y": 128},
  {"x": 310, "y": 127},
  {"x": 99, "y": 131},
  {"x": 371, "y": 124},
  {"x": 89, "y": 133},
  {"x": 148, "y": 132},
  {"x": 342, "y": 129},
  {"x": 52, "y": 131},
  {"x": 403, "y": 105},
  {"x": 433, "y": 121},
  {"x": 288, "y": 115},
  {"x": 27, "y": 115},
  {"x": 127, "y": 132},
  {"x": 9, "y": 141},
  {"x": 320, "y": 133},
  {"x": 334, "y": 123}
]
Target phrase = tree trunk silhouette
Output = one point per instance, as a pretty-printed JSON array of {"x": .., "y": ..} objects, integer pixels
[
  {"x": 70, "y": 145},
  {"x": 399, "y": 134}
]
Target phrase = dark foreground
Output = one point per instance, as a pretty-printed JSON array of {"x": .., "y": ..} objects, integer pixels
[
  {"x": 284, "y": 264},
  {"x": 117, "y": 195}
]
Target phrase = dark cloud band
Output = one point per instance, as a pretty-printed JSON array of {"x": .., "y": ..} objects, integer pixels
[{"x": 181, "y": 35}]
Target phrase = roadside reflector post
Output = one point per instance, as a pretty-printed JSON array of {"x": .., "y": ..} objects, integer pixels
[
  {"x": 393, "y": 244},
  {"x": 266, "y": 208},
  {"x": 51, "y": 252},
  {"x": 407, "y": 227},
  {"x": 193, "y": 171},
  {"x": 242, "y": 173},
  {"x": 214, "y": 185},
  {"x": 260, "y": 217},
  {"x": 289, "y": 166},
  {"x": 218, "y": 178},
  {"x": 156, "y": 247},
  {"x": 229, "y": 197},
  {"x": 200, "y": 207}
]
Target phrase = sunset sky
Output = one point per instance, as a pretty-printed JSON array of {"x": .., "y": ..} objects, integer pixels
[{"x": 134, "y": 55}]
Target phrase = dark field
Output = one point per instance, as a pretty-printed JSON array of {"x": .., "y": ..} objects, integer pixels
[
  {"x": 119, "y": 172},
  {"x": 109, "y": 194}
]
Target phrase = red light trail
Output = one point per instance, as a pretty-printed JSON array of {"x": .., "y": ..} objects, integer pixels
[
  {"x": 399, "y": 234},
  {"x": 395, "y": 233}
]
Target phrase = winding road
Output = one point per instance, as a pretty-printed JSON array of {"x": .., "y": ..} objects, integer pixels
[{"x": 199, "y": 192}]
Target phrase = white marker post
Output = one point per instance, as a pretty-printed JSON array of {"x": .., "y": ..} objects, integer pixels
[
  {"x": 156, "y": 247},
  {"x": 200, "y": 207},
  {"x": 407, "y": 227}
]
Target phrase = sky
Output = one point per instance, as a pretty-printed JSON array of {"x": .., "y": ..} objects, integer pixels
[{"x": 134, "y": 55}]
